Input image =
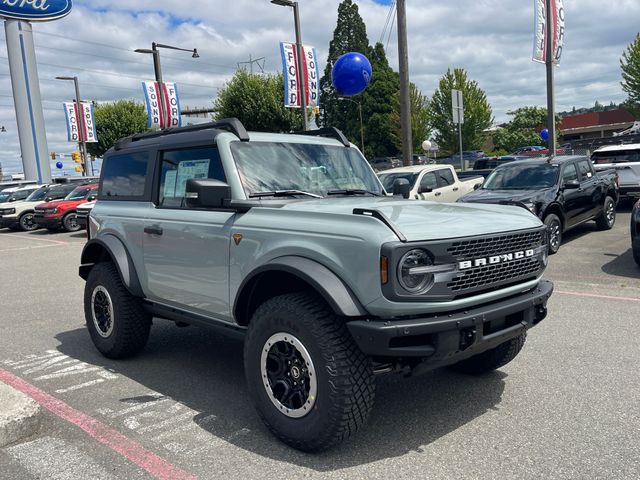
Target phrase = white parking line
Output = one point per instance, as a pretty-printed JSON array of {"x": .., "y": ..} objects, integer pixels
[{"x": 3, "y": 250}]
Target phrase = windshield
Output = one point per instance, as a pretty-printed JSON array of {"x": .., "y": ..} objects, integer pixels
[
  {"x": 79, "y": 193},
  {"x": 388, "y": 179},
  {"x": 619, "y": 156},
  {"x": 38, "y": 195},
  {"x": 311, "y": 168},
  {"x": 522, "y": 177}
]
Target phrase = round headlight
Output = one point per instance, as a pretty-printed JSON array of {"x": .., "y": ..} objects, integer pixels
[{"x": 410, "y": 274}]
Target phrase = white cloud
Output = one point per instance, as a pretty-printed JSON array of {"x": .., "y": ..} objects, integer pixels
[{"x": 491, "y": 39}]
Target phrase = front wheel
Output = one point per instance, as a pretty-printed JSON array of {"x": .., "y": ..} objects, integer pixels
[
  {"x": 309, "y": 381},
  {"x": 491, "y": 359},
  {"x": 554, "y": 225},
  {"x": 608, "y": 217},
  {"x": 27, "y": 223},
  {"x": 70, "y": 222}
]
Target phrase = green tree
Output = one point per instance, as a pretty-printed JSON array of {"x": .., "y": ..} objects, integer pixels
[
  {"x": 420, "y": 128},
  {"x": 114, "y": 121},
  {"x": 523, "y": 129},
  {"x": 630, "y": 65},
  {"x": 477, "y": 112},
  {"x": 258, "y": 102}
]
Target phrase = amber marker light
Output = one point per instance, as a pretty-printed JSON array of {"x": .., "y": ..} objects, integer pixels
[{"x": 384, "y": 270}]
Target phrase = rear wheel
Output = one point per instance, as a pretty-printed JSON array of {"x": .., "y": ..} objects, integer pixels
[
  {"x": 309, "y": 381},
  {"x": 70, "y": 222},
  {"x": 554, "y": 226},
  {"x": 27, "y": 223},
  {"x": 492, "y": 359},
  {"x": 608, "y": 217},
  {"x": 118, "y": 324}
]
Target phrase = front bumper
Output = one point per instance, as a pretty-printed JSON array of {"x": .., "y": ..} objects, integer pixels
[
  {"x": 8, "y": 221},
  {"x": 450, "y": 337},
  {"x": 82, "y": 219},
  {"x": 630, "y": 191},
  {"x": 47, "y": 221}
]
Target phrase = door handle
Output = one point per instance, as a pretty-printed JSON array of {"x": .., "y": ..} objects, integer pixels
[
  {"x": 455, "y": 189},
  {"x": 153, "y": 229},
  {"x": 437, "y": 194}
]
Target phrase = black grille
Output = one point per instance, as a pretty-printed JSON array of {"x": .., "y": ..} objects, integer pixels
[
  {"x": 484, "y": 247},
  {"x": 484, "y": 277}
]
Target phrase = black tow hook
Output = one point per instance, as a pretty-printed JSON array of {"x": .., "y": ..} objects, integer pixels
[{"x": 467, "y": 338}]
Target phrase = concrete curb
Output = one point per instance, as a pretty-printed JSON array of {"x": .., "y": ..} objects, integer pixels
[{"x": 20, "y": 415}]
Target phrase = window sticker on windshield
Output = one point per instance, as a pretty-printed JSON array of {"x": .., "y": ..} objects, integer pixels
[
  {"x": 186, "y": 171},
  {"x": 170, "y": 183}
]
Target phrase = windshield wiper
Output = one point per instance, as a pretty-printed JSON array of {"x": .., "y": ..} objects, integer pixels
[
  {"x": 284, "y": 193},
  {"x": 353, "y": 191}
]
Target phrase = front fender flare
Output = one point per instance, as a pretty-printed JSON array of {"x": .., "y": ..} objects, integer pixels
[{"x": 111, "y": 247}]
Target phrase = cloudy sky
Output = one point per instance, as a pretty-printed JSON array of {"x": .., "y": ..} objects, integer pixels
[{"x": 491, "y": 39}]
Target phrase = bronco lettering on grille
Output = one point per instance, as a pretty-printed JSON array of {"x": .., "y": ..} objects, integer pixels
[{"x": 495, "y": 259}]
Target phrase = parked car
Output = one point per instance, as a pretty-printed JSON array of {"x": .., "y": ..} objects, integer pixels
[
  {"x": 529, "y": 149},
  {"x": 19, "y": 216},
  {"x": 82, "y": 213},
  {"x": 430, "y": 182},
  {"x": 58, "y": 214},
  {"x": 422, "y": 160},
  {"x": 625, "y": 159},
  {"x": 16, "y": 183},
  {"x": 635, "y": 232},
  {"x": 492, "y": 162},
  {"x": 385, "y": 163},
  {"x": 288, "y": 241},
  {"x": 564, "y": 191}
]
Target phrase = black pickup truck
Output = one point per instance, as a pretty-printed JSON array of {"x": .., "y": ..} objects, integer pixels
[{"x": 563, "y": 192}]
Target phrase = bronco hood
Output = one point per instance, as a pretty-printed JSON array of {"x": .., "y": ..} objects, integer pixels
[{"x": 422, "y": 220}]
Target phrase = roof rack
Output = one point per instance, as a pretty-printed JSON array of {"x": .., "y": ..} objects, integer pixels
[
  {"x": 330, "y": 132},
  {"x": 233, "y": 125}
]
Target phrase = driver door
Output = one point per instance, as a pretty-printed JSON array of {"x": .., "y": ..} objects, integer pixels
[{"x": 428, "y": 189}]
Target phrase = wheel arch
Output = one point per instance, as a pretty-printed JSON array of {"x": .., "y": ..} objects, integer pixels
[
  {"x": 291, "y": 274},
  {"x": 110, "y": 248},
  {"x": 557, "y": 210}
]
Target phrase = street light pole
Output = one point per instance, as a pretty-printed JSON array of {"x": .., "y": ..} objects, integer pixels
[
  {"x": 82, "y": 143},
  {"x": 405, "y": 102},
  {"x": 361, "y": 124},
  {"x": 157, "y": 70},
  {"x": 301, "y": 83}
]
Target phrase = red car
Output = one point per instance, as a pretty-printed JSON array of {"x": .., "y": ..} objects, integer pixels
[{"x": 62, "y": 213}]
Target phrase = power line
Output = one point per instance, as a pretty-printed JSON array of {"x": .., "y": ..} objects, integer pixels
[
  {"x": 386, "y": 23},
  {"x": 393, "y": 19}
]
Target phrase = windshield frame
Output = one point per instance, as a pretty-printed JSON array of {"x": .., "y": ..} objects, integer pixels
[
  {"x": 310, "y": 167},
  {"x": 70, "y": 195},
  {"x": 486, "y": 185}
]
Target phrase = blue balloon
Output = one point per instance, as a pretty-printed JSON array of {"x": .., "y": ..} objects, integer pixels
[
  {"x": 351, "y": 74},
  {"x": 544, "y": 134},
  {"x": 59, "y": 165}
]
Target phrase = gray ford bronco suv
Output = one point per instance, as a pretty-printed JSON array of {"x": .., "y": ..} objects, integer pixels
[{"x": 291, "y": 241}]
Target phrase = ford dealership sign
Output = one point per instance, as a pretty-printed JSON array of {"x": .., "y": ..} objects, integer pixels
[{"x": 34, "y": 10}]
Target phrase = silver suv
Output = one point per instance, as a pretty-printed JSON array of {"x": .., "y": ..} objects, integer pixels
[{"x": 291, "y": 241}]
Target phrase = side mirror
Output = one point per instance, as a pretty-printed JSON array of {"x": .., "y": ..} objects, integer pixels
[
  {"x": 401, "y": 186},
  {"x": 206, "y": 193},
  {"x": 12, "y": 200},
  {"x": 571, "y": 185},
  {"x": 477, "y": 186},
  {"x": 92, "y": 198},
  {"x": 48, "y": 199},
  {"x": 425, "y": 190}
]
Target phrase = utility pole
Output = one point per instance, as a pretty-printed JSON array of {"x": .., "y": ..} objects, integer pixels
[
  {"x": 405, "y": 102},
  {"x": 251, "y": 61},
  {"x": 551, "y": 117}
]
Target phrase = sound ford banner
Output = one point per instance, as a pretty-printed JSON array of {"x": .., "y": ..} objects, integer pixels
[
  {"x": 169, "y": 97},
  {"x": 73, "y": 123},
  {"x": 557, "y": 18},
  {"x": 311, "y": 74}
]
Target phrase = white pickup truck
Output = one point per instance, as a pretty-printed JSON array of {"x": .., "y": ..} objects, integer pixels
[{"x": 430, "y": 182}]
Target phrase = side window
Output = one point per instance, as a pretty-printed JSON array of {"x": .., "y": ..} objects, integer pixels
[
  {"x": 569, "y": 173},
  {"x": 428, "y": 182},
  {"x": 585, "y": 170},
  {"x": 178, "y": 166},
  {"x": 21, "y": 195},
  {"x": 124, "y": 175},
  {"x": 445, "y": 177}
]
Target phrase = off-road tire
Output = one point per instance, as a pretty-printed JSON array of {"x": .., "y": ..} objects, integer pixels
[
  {"x": 25, "y": 225},
  {"x": 70, "y": 222},
  {"x": 607, "y": 220},
  {"x": 131, "y": 323},
  {"x": 491, "y": 359},
  {"x": 345, "y": 379},
  {"x": 553, "y": 223}
]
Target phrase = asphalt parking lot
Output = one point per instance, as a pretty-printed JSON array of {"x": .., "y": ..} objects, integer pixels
[{"x": 567, "y": 408}]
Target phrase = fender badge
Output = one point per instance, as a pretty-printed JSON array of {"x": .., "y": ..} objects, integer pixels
[{"x": 237, "y": 237}]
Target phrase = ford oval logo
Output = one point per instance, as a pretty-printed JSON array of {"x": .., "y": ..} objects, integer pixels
[{"x": 34, "y": 10}]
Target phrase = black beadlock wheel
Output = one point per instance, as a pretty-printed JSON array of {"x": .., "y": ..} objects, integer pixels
[
  {"x": 118, "y": 324},
  {"x": 27, "y": 223},
  {"x": 309, "y": 381},
  {"x": 70, "y": 222},
  {"x": 491, "y": 359},
  {"x": 607, "y": 220},
  {"x": 554, "y": 226}
]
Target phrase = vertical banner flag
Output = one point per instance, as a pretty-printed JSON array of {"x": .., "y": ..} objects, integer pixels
[
  {"x": 73, "y": 123},
  {"x": 311, "y": 74},
  {"x": 171, "y": 101},
  {"x": 540, "y": 37}
]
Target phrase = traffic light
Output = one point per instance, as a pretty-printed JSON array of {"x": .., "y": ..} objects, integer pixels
[
  {"x": 75, "y": 156},
  {"x": 78, "y": 168},
  {"x": 53, "y": 155}
]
